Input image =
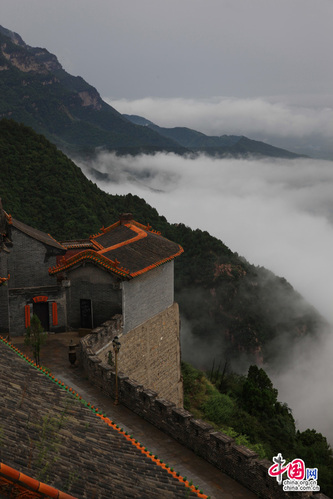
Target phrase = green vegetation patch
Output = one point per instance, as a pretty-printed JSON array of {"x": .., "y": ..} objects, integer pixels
[{"x": 251, "y": 414}]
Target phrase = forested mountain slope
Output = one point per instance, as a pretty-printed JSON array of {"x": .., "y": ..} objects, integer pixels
[
  {"x": 37, "y": 91},
  {"x": 230, "y": 308}
]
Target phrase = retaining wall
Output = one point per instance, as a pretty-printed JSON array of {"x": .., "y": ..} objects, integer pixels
[{"x": 237, "y": 461}]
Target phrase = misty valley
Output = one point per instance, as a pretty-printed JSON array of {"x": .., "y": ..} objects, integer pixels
[{"x": 254, "y": 283}]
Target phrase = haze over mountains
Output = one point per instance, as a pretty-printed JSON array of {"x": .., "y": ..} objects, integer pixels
[
  {"x": 225, "y": 145},
  {"x": 223, "y": 199},
  {"x": 37, "y": 91}
]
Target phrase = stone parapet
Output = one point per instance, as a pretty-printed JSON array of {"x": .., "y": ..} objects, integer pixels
[{"x": 239, "y": 462}]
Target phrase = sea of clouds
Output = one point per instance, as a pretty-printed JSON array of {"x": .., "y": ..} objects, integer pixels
[{"x": 276, "y": 213}]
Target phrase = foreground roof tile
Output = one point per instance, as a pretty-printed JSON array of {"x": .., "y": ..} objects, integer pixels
[{"x": 51, "y": 435}]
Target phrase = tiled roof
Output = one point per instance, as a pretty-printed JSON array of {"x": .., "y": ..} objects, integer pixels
[
  {"x": 77, "y": 243},
  {"x": 35, "y": 234},
  {"x": 51, "y": 435},
  {"x": 128, "y": 249}
]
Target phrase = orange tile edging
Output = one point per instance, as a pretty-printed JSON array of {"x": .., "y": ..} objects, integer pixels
[
  {"x": 110, "y": 423},
  {"x": 25, "y": 481}
]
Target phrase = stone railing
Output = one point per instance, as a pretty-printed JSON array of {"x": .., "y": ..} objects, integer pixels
[
  {"x": 95, "y": 345},
  {"x": 237, "y": 461}
]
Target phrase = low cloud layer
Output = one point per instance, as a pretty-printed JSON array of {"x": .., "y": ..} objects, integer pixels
[
  {"x": 275, "y": 213},
  {"x": 303, "y": 124}
]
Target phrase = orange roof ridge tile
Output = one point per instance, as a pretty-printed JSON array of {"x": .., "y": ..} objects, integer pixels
[
  {"x": 157, "y": 264},
  {"x": 92, "y": 255},
  {"x": 9, "y": 218},
  {"x": 145, "y": 227},
  {"x": 140, "y": 235},
  {"x": 40, "y": 489},
  {"x": 57, "y": 241},
  {"x": 97, "y": 245},
  {"x": 103, "y": 230}
]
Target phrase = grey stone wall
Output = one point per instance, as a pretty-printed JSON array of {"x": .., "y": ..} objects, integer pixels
[
  {"x": 3, "y": 264},
  {"x": 150, "y": 354},
  {"x": 237, "y": 461},
  {"x": 92, "y": 283},
  {"x": 20, "y": 297},
  {"x": 29, "y": 261},
  {"x": 147, "y": 295},
  {"x": 4, "y": 326}
]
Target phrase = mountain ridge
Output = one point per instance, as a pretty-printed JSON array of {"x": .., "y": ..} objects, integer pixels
[
  {"x": 220, "y": 146},
  {"x": 37, "y": 91}
]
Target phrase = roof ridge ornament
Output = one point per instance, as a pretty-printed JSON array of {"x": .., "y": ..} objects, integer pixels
[{"x": 125, "y": 218}]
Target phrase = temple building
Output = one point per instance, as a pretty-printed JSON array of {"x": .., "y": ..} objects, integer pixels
[
  {"x": 25, "y": 256},
  {"x": 126, "y": 270}
]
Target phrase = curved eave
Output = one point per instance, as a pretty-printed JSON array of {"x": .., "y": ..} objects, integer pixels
[
  {"x": 157, "y": 264},
  {"x": 92, "y": 257},
  {"x": 109, "y": 265}
]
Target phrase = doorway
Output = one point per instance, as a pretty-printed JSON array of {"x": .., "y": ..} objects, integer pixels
[
  {"x": 41, "y": 309},
  {"x": 85, "y": 314}
]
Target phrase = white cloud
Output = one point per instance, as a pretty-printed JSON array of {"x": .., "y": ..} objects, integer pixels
[
  {"x": 306, "y": 385},
  {"x": 276, "y": 213}
]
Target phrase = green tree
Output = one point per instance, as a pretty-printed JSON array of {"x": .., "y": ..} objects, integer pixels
[
  {"x": 258, "y": 396},
  {"x": 35, "y": 337}
]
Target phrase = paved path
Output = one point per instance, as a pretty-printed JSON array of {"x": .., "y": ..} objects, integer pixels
[{"x": 213, "y": 482}]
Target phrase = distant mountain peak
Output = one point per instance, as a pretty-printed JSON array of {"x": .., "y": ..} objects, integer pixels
[
  {"x": 37, "y": 91},
  {"x": 26, "y": 58},
  {"x": 15, "y": 37}
]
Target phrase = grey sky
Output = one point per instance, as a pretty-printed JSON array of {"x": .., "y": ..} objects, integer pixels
[{"x": 185, "y": 48}]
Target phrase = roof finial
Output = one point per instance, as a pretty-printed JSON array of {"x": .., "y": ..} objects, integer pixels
[{"x": 125, "y": 218}]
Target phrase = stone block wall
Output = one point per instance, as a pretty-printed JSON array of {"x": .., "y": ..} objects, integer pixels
[
  {"x": 29, "y": 261},
  {"x": 237, "y": 461},
  {"x": 147, "y": 295},
  {"x": 4, "y": 314},
  {"x": 150, "y": 354}
]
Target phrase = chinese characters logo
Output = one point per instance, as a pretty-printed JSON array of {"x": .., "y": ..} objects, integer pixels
[{"x": 299, "y": 479}]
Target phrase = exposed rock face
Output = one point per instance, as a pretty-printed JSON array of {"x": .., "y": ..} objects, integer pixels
[
  {"x": 91, "y": 98},
  {"x": 37, "y": 91},
  {"x": 23, "y": 62},
  {"x": 26, "y": 58},
  {"x": 15, "y": 38}
]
